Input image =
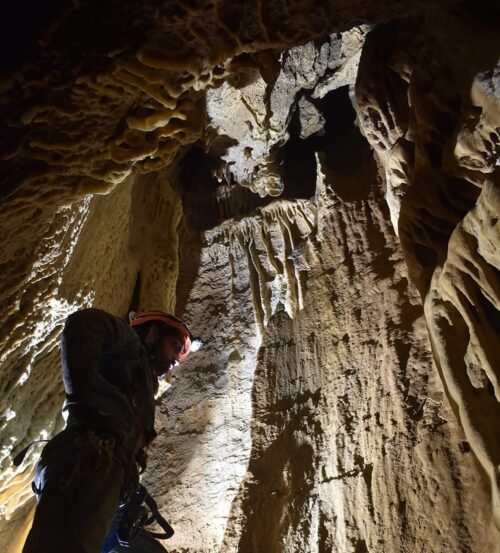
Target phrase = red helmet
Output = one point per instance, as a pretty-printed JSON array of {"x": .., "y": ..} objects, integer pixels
[{"x": 174, "y": 324}]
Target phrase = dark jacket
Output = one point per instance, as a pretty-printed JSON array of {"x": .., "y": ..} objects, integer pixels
[{"x": 107, "y": 376}]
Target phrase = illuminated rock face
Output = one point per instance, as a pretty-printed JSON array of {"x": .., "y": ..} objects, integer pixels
[
  {"x": 326, "y": 428},
  {"x": 437, "y": 142},
  {"x": 338, "y": 208}
]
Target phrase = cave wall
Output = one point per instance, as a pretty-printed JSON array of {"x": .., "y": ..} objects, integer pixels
[
  {"x": 319, "y": 458},
  {"x": 100, "y": 247},
  {"x": 315, "y": 419},
  {"x": 429, "y": 106}
]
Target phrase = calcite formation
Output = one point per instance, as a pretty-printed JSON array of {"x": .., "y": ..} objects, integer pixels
[
  {"x": 314, "y": 187},
  {"x": 439, "y": 150},
  {"x": 319, "y": 422},
  {"x": 253, "y": 159}
]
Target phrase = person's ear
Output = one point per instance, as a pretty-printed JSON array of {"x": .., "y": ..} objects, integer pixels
[{"x": 152, "y": 335}]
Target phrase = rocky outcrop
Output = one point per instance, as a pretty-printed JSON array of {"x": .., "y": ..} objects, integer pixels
[{"x": 305, "y": 76}]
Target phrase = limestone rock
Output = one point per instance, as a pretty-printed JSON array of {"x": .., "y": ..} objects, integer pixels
[
  {"x": 341, "y": 261},
  {"x": 324, "y": 427},
  {"x": 256, "y": 116},
  {"x": 434, "y": 128},
  {"x": 311, "y": 119}
]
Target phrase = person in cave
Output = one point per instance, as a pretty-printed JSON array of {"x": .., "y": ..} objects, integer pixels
[{"x": 110, "y": 373}]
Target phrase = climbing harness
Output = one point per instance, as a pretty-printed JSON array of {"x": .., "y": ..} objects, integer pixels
[
  {"x": 19, "y": 458},
  {"x": 141, "y": 510}
]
